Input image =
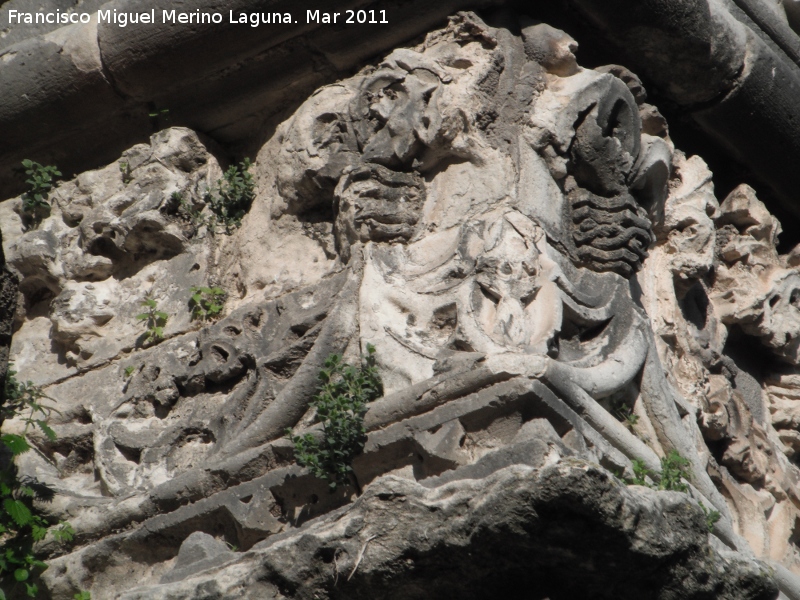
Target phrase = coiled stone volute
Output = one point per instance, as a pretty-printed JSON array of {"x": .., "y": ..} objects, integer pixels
[{"x": 610, "y": 228}]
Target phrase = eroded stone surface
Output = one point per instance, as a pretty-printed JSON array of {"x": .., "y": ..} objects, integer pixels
[
  {"x": 111, "y": 239},
  {"x": 519, "y": 529}
]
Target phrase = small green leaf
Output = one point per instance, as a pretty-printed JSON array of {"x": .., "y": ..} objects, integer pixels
[
  {"x": 47, "y": 430},
  {"x": 15, "y": 443},
  {"x": 21, "y": 574},
  {"x": 64, "y": 533},
  {"x": 38, "y": 533},
  {"x": 18, "y": 512}
]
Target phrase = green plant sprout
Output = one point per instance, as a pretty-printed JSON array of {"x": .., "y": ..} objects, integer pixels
[
  {"x": 21, "y": 398},
  {"x": 631, "y": 420},
  {"x": 20, "y": 523},
  {"x": 35, "y": 202},
  {"x": 154, "y": 321},
  {"x": 125, "y": 170},
  {"x": 206, "y": 303},
  {"x": 628, "y": 418},
  {"x": 674, "y": 475},
  {"x": 674, "y": 472},
  {"x": 341, "y": 403},
  {"x": 129, "y": 371},
  {"x": 712, "y": 516},
  {"x": 624, "y": 413},
  {"x": 233, "y": 196},
  {"x": 640, "y": 474}
]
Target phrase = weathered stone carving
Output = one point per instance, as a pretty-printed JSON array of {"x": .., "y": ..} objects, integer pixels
[
  {"x": 399, "y": 530},
  {"x": 715, "y": 282},
  {"x": 85, "y": 270},
  {"x": 526, "y": 256}
]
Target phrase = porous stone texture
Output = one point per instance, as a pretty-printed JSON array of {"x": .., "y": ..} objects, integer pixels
[
  {"x": 555, "y": 296},
  {"x": 520, "y": 532},
  {"x": 111, "y": 238},
  {"x": 716, "y": 290}
]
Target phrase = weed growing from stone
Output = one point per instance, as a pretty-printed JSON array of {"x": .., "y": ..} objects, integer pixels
[
  {"x": 35, "y": 202},
  {"x": 674, "y": 472},
  {"x": 624, "y": 413},
  {"x": 233, "y": 195},
  {"x": 156, "y": 113},
  {"x": 206, "y": 303},
  {"x": 627, "y": 416},
  {"x": 159, "y": 117},
  {"x": 712, "y": 516},
  {"x": 125, "y": 170},
  {"x": 154, "y": 320},
  {"x": 341, "y": 403},
  {"x": 20, "y": 524},
  {"x": 640, "y": 474}
]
